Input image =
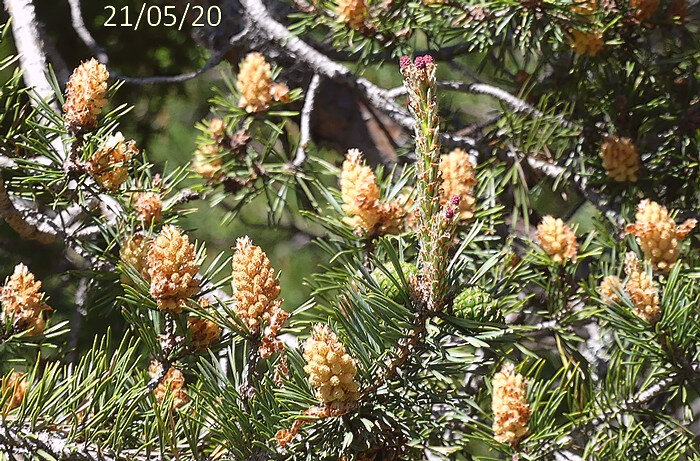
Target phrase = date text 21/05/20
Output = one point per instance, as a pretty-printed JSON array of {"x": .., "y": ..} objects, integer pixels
[{"x": 162, "y": 15}]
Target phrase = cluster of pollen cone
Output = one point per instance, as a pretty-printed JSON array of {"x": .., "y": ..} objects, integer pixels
[
  {"x": 658, "y": 236},
  {"x": 168, "y": 262},
  {"x": 258, "y": 90},
  {"x": 23, "y": 307},
  {"x": 23, "y": 302},
  {"x": 369, "y": 214},
  {"x": 86, "y": 96}
]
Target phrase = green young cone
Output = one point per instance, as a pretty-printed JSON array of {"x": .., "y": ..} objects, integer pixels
[
  {"x": 475, "y": 303},
  {"x": 388, "y": 285}
]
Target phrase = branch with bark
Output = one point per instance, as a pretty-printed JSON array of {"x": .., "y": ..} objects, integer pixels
[
  {"x": 305, "y": 124},
  {"x": 27, "y": 226},
  {"x": 26, "y": 442},
  {"x": 320, "y": 64},
  {"x": 634, "y": 403},
  {"x": 32, "y": 58}
]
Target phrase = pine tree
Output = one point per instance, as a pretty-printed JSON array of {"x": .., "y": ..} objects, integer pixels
[{"x": 521, "y": 287}]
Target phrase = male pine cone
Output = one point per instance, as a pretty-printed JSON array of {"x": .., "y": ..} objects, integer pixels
[
  {"x": 171, "y": 386},
  {"x": 203, "y": 332},
  {"x": 352, "y": 12},
  {"x": 85, "y": 96},
  {"x": 362, "y": 198},
  {"x": 134, "y": 252},
  {"x": 511, "y": 411},
  {"x": 641, "y": 290},
  {"x": 609, "y": 288},
  {"x": 15, "y": 386},
  {"x": 148, "y": 207},
  {"x": 108, "y": 166},
  {"x": 587, "y": 43},
  {"x": 639, "y": 287},
  {"x": 255, "y": 286},
  {"x": 208, "y": 162},
  {"x": 458, "y": 179},
  {"x": 23, "y": 302},
  {"x": 557, "y": 240},
  {"x": 255, "y": 84},
  {"x": 620, "y": 159},
  {"x": 330, "y": 368},
  {"x": 658, "y": 234},
  {"x": 173, "y": 267}
]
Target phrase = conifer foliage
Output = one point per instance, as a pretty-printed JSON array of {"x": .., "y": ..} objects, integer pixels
[{"x": 458, "y": 315}]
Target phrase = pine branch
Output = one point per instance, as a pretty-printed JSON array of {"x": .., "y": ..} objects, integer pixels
[
  {"x": 32, "y": 58},
  {"x": 99, "y": 52},
  {"x": 26, "y": 442},
  {"x": 632, "y": 404},
  {"x": 301, "y": 52},
  {"x": 305, "y": 124},
  {"x": 26, "y": 225}
]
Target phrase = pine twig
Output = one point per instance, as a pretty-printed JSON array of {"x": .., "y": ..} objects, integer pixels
[
  {"x": 320, "y": 64},
  {"x": 24, "y": 224},
  {"x": 102, "y": 56},
  {"x": 25, "y": 442},
  {"x": 32, "y": 59},
  {"x": 305, "y": 123},
  {"x": 79, "y": 26}
]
